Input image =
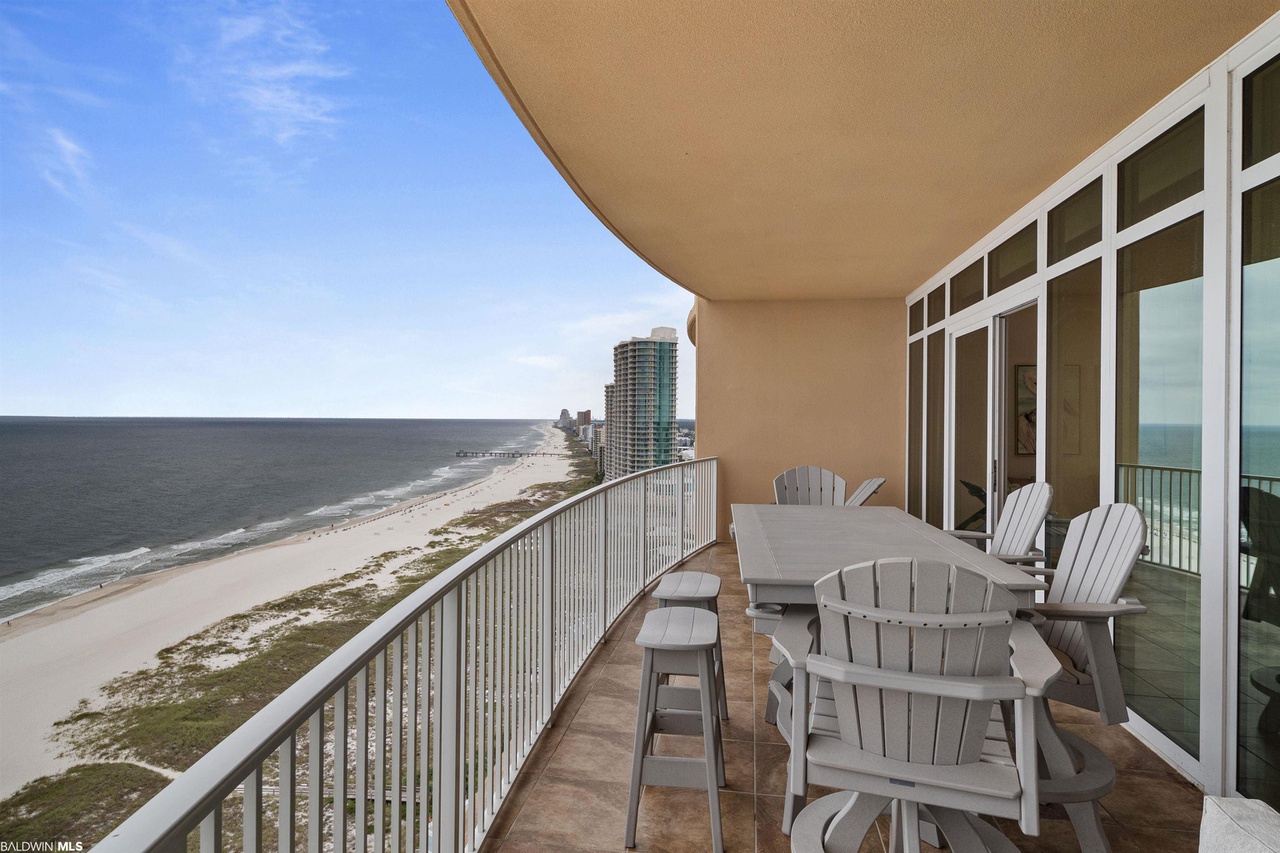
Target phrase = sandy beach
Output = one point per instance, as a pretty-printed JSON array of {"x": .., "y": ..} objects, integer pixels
[{"x": 54, "y": 657}]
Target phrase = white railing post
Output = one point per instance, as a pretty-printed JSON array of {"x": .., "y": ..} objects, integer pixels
[
  {"x": 644, "y": 531},
  {"x": 448, "y": 822},
  {"x": 548, "y": 633},
  {"x": 602, "y": 564},
  {"x": 681, "y": 551}
]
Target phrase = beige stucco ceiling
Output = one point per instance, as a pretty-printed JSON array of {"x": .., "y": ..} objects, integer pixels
[{"x": 824, "y": 149}]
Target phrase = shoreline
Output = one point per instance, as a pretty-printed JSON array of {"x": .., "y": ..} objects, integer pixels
[
  {"x": 10, "y": 625},
  {"x": 54, "y": 656}
]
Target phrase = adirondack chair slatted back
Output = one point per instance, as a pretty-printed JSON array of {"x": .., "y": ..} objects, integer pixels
[
  {"x": 1021, "y": 519},
  {"x": 899, "y": 724},
  {"x": 809, "y": 485},
  {"x": 864, "y": 492},
  {"x": 1096, "y": 560}
]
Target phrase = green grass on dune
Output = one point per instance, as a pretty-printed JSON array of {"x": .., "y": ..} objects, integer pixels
[{"x": 81, "y": 805}]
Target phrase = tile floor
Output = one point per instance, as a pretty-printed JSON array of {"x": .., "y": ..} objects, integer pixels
[{"x": 572, "y": 795}]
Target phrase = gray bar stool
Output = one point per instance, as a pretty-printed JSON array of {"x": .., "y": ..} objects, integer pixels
[
  {"x": 678, "y": 641},
  {"x": 696, "y": 589}
]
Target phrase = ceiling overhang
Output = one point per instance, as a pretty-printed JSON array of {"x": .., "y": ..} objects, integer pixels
[{"x": 818, "y": 149}]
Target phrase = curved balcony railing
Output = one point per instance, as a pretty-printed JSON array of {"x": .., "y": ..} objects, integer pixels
[{"x": 412, "y": 733}]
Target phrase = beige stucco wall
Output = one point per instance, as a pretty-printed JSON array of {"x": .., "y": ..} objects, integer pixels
[{"x": 801, "y": 382}]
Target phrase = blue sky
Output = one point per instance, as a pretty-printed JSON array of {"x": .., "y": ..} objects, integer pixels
[{"x": 283, "y": 209}]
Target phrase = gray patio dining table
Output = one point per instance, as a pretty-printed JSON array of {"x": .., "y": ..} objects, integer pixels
[{"x": 783, "y": 550}]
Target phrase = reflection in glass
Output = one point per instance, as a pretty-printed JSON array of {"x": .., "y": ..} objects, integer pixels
[
  {"x": 1258, "y": 750},
  {"x": 934, "y": 431},
  {"x": 1076, "y": 224},
  {"x": 1074, "y": 382},
  {"x": 1166, "y": 170},
  {"x": 1262, "y": 113},
  {"x": 966, "y": 287},
  {"x": 1013, "y": 260},
  {"x": 970, "y": 441},
  {"x": 1160, "y": 289},
  {"x": 915, "y": 317},
  {"x": 937, "y": 304},
  {"x": 915, "y": 424}
]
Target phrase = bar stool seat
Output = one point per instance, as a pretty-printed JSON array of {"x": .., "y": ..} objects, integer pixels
[
  {"x": 687, "y": 588},
  {"x": 696, "y": 589},
  {"x": 678, "y": 641}
]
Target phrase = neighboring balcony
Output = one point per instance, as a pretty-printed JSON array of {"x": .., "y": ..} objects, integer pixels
[{"x": 494, "y": 710}]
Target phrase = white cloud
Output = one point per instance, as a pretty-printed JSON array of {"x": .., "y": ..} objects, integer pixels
[
  {"x": 64, "y": 164},
  {"x": 266, "y": 62}
]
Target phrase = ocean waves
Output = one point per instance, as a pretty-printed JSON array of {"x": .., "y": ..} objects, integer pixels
[{"x": 145, "y": 549}]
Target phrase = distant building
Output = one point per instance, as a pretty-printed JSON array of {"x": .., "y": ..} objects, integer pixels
[
  {"x": 566, "y": 420},
  {"x": 640, "y": 405},
  {"x": 584, "y": 418}
]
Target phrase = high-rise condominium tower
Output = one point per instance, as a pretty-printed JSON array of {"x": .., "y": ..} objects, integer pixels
[{"x": 640, "y": 405}]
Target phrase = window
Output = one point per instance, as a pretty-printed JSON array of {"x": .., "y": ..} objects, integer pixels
[
  {"x": 1262, "y": 113},
  {"x": 1166, "y": 170},
  {"x": 966, "y": 287},
  {"x": 915, "y": 424},
  {"x": 1076, "y": 224},
  {"x": 938, "y": 304},
  {"x": 1013, "y": 260},
  {"x": 935, "y": 428},
  {"x": 915, "y": 317}
]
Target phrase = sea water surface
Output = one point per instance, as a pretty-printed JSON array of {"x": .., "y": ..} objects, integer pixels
[{"x": 85, "y": 501}]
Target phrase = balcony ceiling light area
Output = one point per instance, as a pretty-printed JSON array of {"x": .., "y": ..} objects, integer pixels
[{"x": 816, "y": 149}]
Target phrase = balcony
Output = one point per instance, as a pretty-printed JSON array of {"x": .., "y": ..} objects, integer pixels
[{"x": 493, "y": 710}]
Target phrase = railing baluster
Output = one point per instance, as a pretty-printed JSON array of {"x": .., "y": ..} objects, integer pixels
[
  {"x": 449, "y": 701},
  {"x": 288, "y": 788},
  {"x": 211, "y": 831},
  {"x": 397, "y": 734},
  {"x": 362, "y": 759},
  {"x": 547, "y": 634},
  {"x": 411, "y": 749},
  {"x": 380, "y": 751},
  {"x": 253, "y": 811},
  {"x": 340, "y": 770},
  {"x": 315, "y": 780}
]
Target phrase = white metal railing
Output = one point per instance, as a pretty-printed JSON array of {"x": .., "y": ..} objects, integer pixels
[
  {"x": 414, "y": 731},
  {"x": 1170, "y": 500}
]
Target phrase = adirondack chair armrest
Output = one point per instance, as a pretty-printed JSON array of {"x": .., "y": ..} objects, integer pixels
[
  {"x": 1032, "y": 659},
  {"x": 970, "y": 534},
  {"x": 793, "y": 637},
  {"x": 1086, "y": 611},
  {"x": 971, "y": 688},
  {"x": 1042, "y": 572},
  {"x": 1018, "y": 559}
]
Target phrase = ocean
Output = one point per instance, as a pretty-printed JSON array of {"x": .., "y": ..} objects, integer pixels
[{"x": 85, "y": 501}]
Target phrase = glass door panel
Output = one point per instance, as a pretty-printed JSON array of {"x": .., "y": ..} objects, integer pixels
[
  {"x": 915, "y": 425},
  {"x": 1073, "y": 397},
  {"x": 935, "y": 428},
  {"x": 1258, "y": 748},
  {"x": 1018, "y": 372},
  {"x": 971, "y": 406},
  {"x": 1159, "y": 321}
]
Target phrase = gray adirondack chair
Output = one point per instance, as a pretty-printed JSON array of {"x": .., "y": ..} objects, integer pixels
[
  {"x": 1097, "y": 557},
  {"x": 1020, "y": 520},
  {"x": 863, "y": 493},
  {"x": 1260, "y": 514},
  {"x": 809, "y": 485},
  {"x": 916, "y": 659}
]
